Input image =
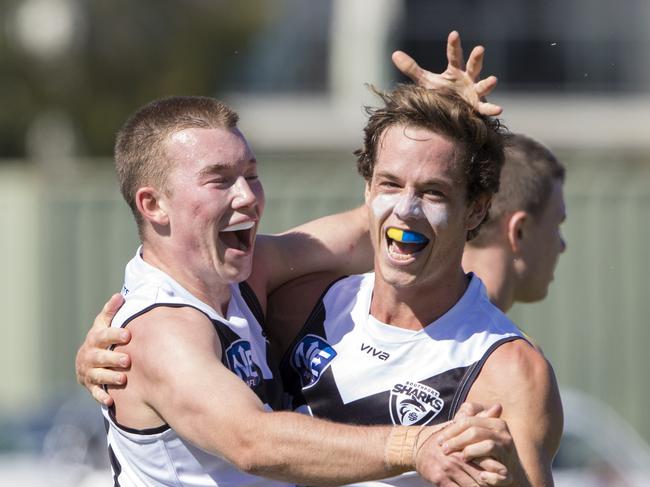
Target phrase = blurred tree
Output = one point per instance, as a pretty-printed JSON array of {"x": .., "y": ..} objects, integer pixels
[{"x": 117, "y": 55}]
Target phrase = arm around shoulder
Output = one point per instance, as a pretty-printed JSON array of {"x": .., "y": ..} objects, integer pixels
[{"x": 336, "y": 243}]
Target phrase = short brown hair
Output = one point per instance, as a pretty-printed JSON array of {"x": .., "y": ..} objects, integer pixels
[
  {"x": 140, "y": 158},
  {"x": 480, "y": 138},
  {"x": 527, "y": 177}
]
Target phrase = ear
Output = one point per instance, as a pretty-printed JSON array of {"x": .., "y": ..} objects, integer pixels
[
  {"x": 152, "y": 205},
  {"x": 516, "y": 229},
  {"x": 477, "y": 210},
  {"x": 366, "y": 193}
]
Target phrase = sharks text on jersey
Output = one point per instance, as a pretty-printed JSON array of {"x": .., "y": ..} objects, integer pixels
[{"x": 413, "y": 403}]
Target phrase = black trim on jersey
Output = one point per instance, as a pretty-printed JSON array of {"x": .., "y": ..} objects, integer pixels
[
  {"x": 264, "y": 391},
  {"x": 250, "y": 298},
  {"x": 316, "y": 317},
  {"x": 291, "y": 382},
  {"x": 111, "y": 410},
  {"x": 146, "y": 431},
  {"x": 156, "y": 305},
  {"x": 272, "y": 395},
  {"x": 115, "y": 465},
  {"x": 268, "y": 390},
  {"x": 472, "y": 373},
  {"x": 324, "y": 400}
]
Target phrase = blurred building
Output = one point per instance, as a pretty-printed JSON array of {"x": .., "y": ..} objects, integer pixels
[{"x": 572, "y": 73}]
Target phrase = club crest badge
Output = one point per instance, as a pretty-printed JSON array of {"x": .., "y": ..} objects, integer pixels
[
  {"x": 310, "y": 358},
  {"x": 240, "y": 361},
  {"x": 412, "y": 403}
]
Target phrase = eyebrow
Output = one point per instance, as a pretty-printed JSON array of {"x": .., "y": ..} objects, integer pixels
[
  {"x": 213, "y": 168},
  {"x": 429, "y": 182},
  {"x": 219, "y": 167},
  {"x": 387, "y": 175}
]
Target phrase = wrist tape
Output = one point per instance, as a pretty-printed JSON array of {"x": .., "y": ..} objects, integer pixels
[{"x": 403, "y": 445}]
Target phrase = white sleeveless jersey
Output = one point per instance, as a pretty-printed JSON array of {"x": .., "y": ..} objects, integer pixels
[
  {"x": 348, "y": 367},
  {"x": 158, "y": 456}
]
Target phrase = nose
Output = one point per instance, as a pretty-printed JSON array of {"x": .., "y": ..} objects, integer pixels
[
  {"x": 408, "y": 206},
  {"x": 244, "y": 196}
]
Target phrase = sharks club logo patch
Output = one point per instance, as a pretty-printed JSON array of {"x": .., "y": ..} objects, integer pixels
[
  {"x": 310, "y": 358},
  {"x": 412, "y": 403}
]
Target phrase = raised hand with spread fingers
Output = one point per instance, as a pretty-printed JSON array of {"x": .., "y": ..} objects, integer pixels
[{"x": 460, "y": 77}]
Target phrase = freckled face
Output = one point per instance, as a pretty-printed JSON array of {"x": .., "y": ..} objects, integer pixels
[
  {"x": 419, "y": 216},
  {"x": 215, "y": 201}
]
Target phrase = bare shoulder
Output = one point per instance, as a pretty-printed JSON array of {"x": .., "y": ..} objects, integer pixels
[
  {"x": 169, "y": 330},
  {"x": 164, "y": 317},
  {"x": 518, "y": 376},
  {"x": 519, "y": 361},
  {"x": 164, "y": 340}
]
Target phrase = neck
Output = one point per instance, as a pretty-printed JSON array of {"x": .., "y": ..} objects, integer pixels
[
  {"x": 414, "y": 307},
  {"x": 493, "y": 264},
  {"x": 195, "y": 279}
]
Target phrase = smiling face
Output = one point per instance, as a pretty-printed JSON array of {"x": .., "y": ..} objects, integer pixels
[
  {"x": 419, "y": 216},
  {"x": 214, "y": 202}
]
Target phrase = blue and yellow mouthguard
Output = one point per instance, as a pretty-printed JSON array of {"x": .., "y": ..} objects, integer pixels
[{"x": 405, "y": 236}]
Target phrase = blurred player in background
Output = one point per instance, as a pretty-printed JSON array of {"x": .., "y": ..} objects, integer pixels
[{"x": 519, "y": 246}]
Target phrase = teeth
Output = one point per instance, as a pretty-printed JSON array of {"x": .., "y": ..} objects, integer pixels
[
  {"x": 239, "y": 226},
  {"x": 398, "y": 256}
]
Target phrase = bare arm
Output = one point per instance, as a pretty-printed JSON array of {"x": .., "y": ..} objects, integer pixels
[
  {"x": 519, "y": 377},
  {"x": 337, "y": 243},
  {"x": 186, "y": 391},
  {"x": 278, "y": 445}
]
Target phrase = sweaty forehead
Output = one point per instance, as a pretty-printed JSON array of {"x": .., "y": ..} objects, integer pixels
[{"x": 209, "y": 145}]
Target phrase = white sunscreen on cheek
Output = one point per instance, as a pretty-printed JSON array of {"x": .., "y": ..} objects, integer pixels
[
  {"x": 383, "y": 205},
  {"x": 409, "y": 206},
  {"x": 436, "y": 213}
]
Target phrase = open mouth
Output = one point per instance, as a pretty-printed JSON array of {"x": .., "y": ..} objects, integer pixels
[
  {"x": 402, "y": 244},
  {"x": 238, "y": 236}
]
